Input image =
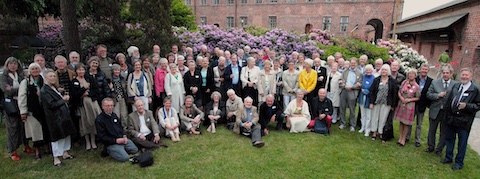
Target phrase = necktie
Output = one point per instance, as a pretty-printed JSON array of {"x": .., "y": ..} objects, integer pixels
[
  {"x": 445, "y": 85},
  {"x": 457, "y": 98}
]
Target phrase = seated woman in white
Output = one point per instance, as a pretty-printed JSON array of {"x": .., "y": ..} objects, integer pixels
[
  {"x": 297, "y": 113},
  {"x": 168, "y": 119}
]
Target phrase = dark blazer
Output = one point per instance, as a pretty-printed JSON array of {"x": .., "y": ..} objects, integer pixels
[
  {"x": 134, "y": 123},
  {"x": 190, "y": 81},
  {"x": 98, "y": 86},
  {"x": 321, "y": 107},
  {"x": 276, "y": 110},
  {"x": 436, "y": 102},
  {"x": 57, "y": 114},
  {"x": 398, "y": 80},
  {"x": 322, "y": 71},
  {"x": 228, "y": 80},
  {"x": 392, "y": 91},
  {"x": 109, "y": 128},
  {"x": 76, "y": 93},
  {"x": 463, "y": 118},
  {"x": 210, "y": 79},
  {"x": 422, "y": 104},
  {"x": 222, "y": 112}
]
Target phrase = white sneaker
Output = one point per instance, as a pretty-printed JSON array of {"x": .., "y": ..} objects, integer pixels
[
  {"x": 334, "y": 121},
  {"x": 341, "y": 126},
  {"x": 361, "y": 131},
  {"x": 367, "y": 134},
  {"x": 352, "y": 129}
]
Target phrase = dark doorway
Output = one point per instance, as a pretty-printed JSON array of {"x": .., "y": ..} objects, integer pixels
[
  {"x": 378, "y": 25},
  {"x": 308, "y": 27}
]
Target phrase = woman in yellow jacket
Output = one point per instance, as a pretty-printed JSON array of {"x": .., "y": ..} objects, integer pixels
[{"x": 307, "y": 80}]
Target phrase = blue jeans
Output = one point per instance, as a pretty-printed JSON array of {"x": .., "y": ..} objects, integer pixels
[
  {"x": 120, "y": 152},
  {"x": 451, "y": 135}
]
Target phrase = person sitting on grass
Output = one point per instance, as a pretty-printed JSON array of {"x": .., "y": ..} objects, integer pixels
[
  {"x": 322, "y": 109},
  {"x": 247, "y": 123},
  {"x": 271, "y": 111},
  {"x": 298, "y": 114},
  {"x": 111, "y": 133},
  {"x": 143, "y": 128},
  {"x": 168, "y": 120},
  {"x": 191, "y": 116},
  {"x": 233, "y": 104}
]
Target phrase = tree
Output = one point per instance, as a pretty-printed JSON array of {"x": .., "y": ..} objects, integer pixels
[
  {"x": 182, "y": 15},
  {"x": 70, "y": 25}
]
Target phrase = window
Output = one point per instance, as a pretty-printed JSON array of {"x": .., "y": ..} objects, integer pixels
[
  {"x": 216, "y": 2},
  {"x": 310, "y": 0},
  {"x": 327, "y": 21},
  {"x": 259, "y": 1},
  {"x": 291, "y": 1},
  {"x": 203, "y": 20},
  {"x": 188, "y": 2},
  {"x": 203, "y": 2},
  {"x": 230, "y": 22},
  {"x": 272, "y": 21},
  {"x": 343, "y": 23},
  {"x": 243, "y": 21},
  {"x": 273, "y": 1},
  {"x": 244, "y": 1},
  {"x": 328, "y": 0},
  {"x": 230, "y": 2}
]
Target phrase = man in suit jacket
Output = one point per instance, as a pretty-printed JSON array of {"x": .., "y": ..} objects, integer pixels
[
  {"x": 231, "y": 77},
  {"x": 461, "y": 106},
  {"x": 247, "y": 123},
  {"x": 271, "y": 111},
  {"x": 437, "y": 93},
  {"x": 421, "y": 105},
  {"x": 348, "y": 97},
  {"x": 74, "y": 58},
  {"x": 143, "y": 129},
  {"x": 322, "y": 108},
  {"x": 321, "y": 75}
]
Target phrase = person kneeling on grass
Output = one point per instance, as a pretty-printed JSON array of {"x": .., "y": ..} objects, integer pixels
[
  {"x": 271, "y": 111},
  {"x": 143, "y": 128},
  {"x": 322, "y": 110},
  {"x": 168, "y": 119},
  {"x": 247, "y": 123},
  {"x": 110, "y": 132}
]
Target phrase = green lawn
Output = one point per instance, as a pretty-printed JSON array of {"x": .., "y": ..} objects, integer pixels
[{"x": 226, "y": 155}]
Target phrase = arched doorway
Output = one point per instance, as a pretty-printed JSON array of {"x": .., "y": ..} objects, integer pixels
[
  {"x": 378, "y": 26},
  {"x": 308, "y": 27}
]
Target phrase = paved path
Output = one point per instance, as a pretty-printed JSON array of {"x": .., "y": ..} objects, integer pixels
[{"x": 474, "y": 138}]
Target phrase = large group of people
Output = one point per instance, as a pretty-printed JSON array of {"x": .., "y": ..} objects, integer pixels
[{"x": 129, "y": 103}]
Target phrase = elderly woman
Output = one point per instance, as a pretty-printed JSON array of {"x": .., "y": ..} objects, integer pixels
[
  {"x": 215, "y": 111},
  {"x": 119, "y": 95},
  {"x": 58, "y": 119},
  {"x": 139, "y": 86},
  {"x": 174, "y": 87},
  {"x": 266, "y": 82},
  {"x": 147, "y": 69},
  {"x": 191, "y": 116},
  {"x": 192, "y": 80},
  {"x": 208, "y": 84},
  {"x": 125, "y": 68},
  {"x": 88, "y": 108},
  {"x": 300, "y": 65},
  {"x": 168, "y": 120},
  {"x": 170, "y": 58},
  {"x": 307, "y": 80},
  {"x": 155, "y": 61},
  {"x": 408, "y": 94},
  {"x": 249, "y": 77},
  {"x": 31, "y": 114},
  {"x": 382, "y": 97},
  {"x": 364, "y": 100},
  {"x": 181, "y": 65},
  {"x": 159, "y": 80},
  {"x": 334, "y": 78},
  {"x": 278, "y": 81},
  {"x": 10, "y": 83},
  {"x": 298, "y": 114},
  {"x": 218, "y": 72},
  {"x": 99, "y": 87},
  {"x": 289, "y": 83}
]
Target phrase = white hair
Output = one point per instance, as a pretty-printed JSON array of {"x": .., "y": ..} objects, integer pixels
[
  {"x": 248, "y": 98},
  {"x": 369, "y": 66},
  {"x": 163, "y": 60},
  {"x": 131, "y": 49},
  {"x": 330, "y": 58},
  {"x": 203, "y": 47},
  {"x": 73, "y": 53},
  {"x": 230, "y": 91}
]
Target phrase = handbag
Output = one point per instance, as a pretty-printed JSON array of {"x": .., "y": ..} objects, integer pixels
[
  {"x": 145, "y": 159},
  {"x": 10, "y": 106}
]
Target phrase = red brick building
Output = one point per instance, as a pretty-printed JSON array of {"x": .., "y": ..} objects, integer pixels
[
  {"x": 454, "y": 27},
  {"x": 368, "y": 18}
]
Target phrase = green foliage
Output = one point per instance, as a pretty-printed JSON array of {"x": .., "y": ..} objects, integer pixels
[
  {"x": 31, "y": 9},
  {"x": 351, "y": 47},
  {"x": 255, "y": 30},
  {"x": 444, "y": 58},
  {"x": 24, "y": 55},
  {"x": 182, "y": 15},
  {"x": 17, "y": 25}
]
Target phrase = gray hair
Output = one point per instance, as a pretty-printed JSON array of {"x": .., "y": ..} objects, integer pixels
[
  {"x": 32, "y": 66},
  {"x": 309, "y": 62},
  {"x": 230, "y": 91},
  {"x": 250, "y": 59},
  {"x": 189, "y": 97},
  {"x": 60, "y": 57},
  {"x": 300, "y": 91},
  {"x": 425, "y": 65},
  {"x": 137, "y": 102},
  {"x": 248, "y": 98},
  {"x": 115, "y": 67},
  {"x": 330, "y": 58},
  {"x": 216, "y": 93},
  {"x": 163, "y": 60},
  {"x": 369, "y": 66},
  {"x": 132, "y": 49},
  {"x": 119, "y": 55},
  {"x": 449, "y": 67},
  {"x": 364, "y": 57},
  {"x": 269, "y": 96},
  {"x": 386, "y": 67},
  {"x": 412, "y": 70},
  {"x": 73, "y": 53},
  {"x": 180, "y": 57}
]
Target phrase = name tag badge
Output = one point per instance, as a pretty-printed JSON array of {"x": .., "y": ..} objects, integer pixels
[
  {"x": 367, "y": 82},
  {"x": 251, "y": 113},
  {"x": 76, "y": 83},
  {"x": 8, "y": 100},
  {"x": 326, "y": 109},
  {"x": 465, "y": 94},
  {"x": 115, "y": 120},
  {"x": 137, "y": 81},
  {"x": 110, "y": 65},
  {"x": 148, "y": 119},
  {"x": 274, "y": 107},
  {"x": 196, "y": 76}
]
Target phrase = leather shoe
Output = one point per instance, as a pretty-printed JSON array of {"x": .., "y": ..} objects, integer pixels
[
  {"x": 417, "y": 144},
  {"x": 455, "y": 167},
  {"x": 428, "y": 150},
  {"x": 258, "y": 144},
  {"x": 446, "y": 161}
]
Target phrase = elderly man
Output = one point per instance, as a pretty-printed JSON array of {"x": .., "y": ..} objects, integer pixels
[
  {"x": 271, "y": 111},
  {"x": 338, "y": 56},
  {"x": 133, "y": 54},
  {"x": 242, "y": 57},
  {"x": 218, "y": 77},
  {"x": 378, "y": 66},
  {"x": 105, "y": 62},
  {"x": 233, "y": 104},
  {"x": 322, "y": 108},
  {"x": 175, "y": 52},
  {"x": 64, "y": 75},
  {"x": 421, "y": 106},
  {"x": 231, "y": 76},
  {"x": 341, "y": 65},
  {"x": 38, "y": 58},
  {"x": 156, "y": 49},
  {"x": 111, "y": 133},
  {"x": 143, "y": 129},
  {"x": 321, "y": 74},
  {"x": 437, "y": 93},
  {"x": 247, "y": 123},
  {"x": 74, "y": 59},
  {"x": 348, "y": 97},
  {"x": 461, "y": 105},
  {"x": 246, "y": 49},
  {"x": 362, "y": 62}
]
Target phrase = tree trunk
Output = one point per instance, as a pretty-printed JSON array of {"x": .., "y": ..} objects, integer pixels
[{"x": 71, "y": 37}]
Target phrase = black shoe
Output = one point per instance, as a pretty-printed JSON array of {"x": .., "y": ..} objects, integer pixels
[
  {"x": 417, "y": 144},
  {"x": 446, "y": 161},
  {"x": 59, "y": 164},
  {"x": 455, "y": 167},
  {"x": 429, "y": 150},
  {"x": 406, "y": 140},
  {"x": 438, "y": 153}
]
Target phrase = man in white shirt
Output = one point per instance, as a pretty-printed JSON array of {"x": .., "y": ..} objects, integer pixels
[{"x": 143, "y": 129}]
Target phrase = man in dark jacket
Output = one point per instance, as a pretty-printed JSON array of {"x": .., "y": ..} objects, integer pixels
[
  {"x": 111, "y": 133},
  {"x": 462, "y": 104},
  {"x": 322, "y": 107},
  {"x": 270, "y": 111},
  {"x": 421, "y": 105}
]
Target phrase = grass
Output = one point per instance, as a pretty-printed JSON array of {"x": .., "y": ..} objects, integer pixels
[{"x": 226, "y": 155}]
